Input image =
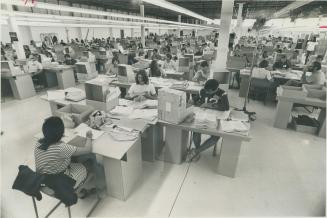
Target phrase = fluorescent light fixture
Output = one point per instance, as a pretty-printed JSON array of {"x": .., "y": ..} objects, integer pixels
[
  {"x": 173, "y": 7},
  {"x": 27, "y": 16},
  {"x": 292, "y": 6},
  {"x": 42, "y": 5}
]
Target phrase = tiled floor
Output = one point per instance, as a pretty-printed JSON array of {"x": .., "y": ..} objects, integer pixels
[{"x": 280, "y": 173}]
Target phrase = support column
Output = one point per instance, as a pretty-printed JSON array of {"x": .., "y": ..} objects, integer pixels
[
  {"x": 132, "y": 32},
  {"x": 238, "y": 28},
  {"x": 142, "y": 26},
  {"x": 13, "y": 27},
  {"x": 179, "y": 21},
  {"x": 110, "y": 33},
  {"x": 219, "y": 64},
  {"x": 79, "y": 33}
]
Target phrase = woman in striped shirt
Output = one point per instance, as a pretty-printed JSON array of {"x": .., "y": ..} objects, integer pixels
[{"x": 52, "y": 156}]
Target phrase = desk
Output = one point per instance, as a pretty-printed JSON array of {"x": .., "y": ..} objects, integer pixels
[
  {"x": 177, "y": 142},
  {"x": 192, "y": 88},
  {"x": 64, "y": 75},
  {"x": 21, "y": 85},
  {"x": 284, "y": 109}
]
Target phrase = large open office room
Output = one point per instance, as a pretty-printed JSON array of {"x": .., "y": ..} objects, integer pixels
[{"x": 163, "y": 108}]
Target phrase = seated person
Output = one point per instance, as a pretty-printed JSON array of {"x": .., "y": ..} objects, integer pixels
[
  {"x": 169, "y": 64},
  {"x": 155, "y": 69},
  {"x": 199, "y": 52},
  {"x": 142, "y": 89},
  {"x": 33, "y": 65},
  {"x": 52, "y": 156},
  {"x": 202, "y": 75},
  {"x": 316, "y": 78},
  {"x": 237, "y": 51},
  {"x": 282, "y": 64},
  {"x": 113, "y": 67},
  {"x": 261, "y": 72},
  {"x": 69, "y": 60},
  {"x": 155, "y": 55},
  {"x": 214, "y": 98},
  {"x": 295, "y": 59}
]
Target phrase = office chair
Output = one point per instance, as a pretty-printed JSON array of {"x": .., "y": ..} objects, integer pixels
[{"x": 260, "y": 87}]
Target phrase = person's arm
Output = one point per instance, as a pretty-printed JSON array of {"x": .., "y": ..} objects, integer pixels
[
  {"x": 87, "y": 147},
  {"x": 224, "y": 103},
  {"x": 152, "y": 94}
]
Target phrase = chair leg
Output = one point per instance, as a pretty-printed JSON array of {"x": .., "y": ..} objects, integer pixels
[
  {"x": 94, "y": 206},
  {"x": 69, "y": 213},
  {"x": 53, "y": 209},
  {"x": 35, "y": 208}
]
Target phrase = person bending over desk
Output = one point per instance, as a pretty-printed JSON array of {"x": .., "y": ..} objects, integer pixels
[
  {"x": 202, "y": 75},
  {"x": 33, "y": 65},
  {"x": 52, "y": 156},
  {"x": 282, "y": 64},
  {"x": 69, "y": 60},
  {"x": 212, "y": 97},
  {"x": 142, "y": 89},
  {"x": 316, "y": 78},
  {"x": 155, "y": 70}
]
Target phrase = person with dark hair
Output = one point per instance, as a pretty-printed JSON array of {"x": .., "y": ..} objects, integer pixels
[
  {"x": 52, "y": 156},
  {"x": 69, "y": 60},
  {"x": 212, "y": 97},
  {"x": 169, "y": 64},
  {"x": 295, "y": 59},
  {"x": 155, "y": 69},
  {"x": 155, "y": 55},
  {"x": 141, "y": 89},
  {"x": 113, "y": 67},
  {"x": 282, "y": 64},
  {"x": 203, "y": 73}
]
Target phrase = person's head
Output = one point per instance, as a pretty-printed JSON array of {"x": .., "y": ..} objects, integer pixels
[
  {"x": 33, "y": 57},
  {"x": 67, "y": 57},
  {"x": 264, "y": 54},
  {"x": 115, "y": 61},
  {"x": 237, "y": 47},
  {"x": 211, "y": 86},
  {"x": 263, "y": 64},
  {"x": 155, "y": 51},
  {"x": 205, "y": 66},
  {"x": 283, "y": 58},
  {"x": 53, "y": 130},
  {"x": 315, "y": 67},
  {"x": 319, "y": 58},
  {"x": 168, "y": 57},
  {"x": 141, "y": 78}
]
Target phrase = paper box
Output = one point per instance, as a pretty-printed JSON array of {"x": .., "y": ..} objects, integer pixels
[
  {"x": 315, "y": 91},
  {"x": 125, "y": 73},
  {"x": 100, "y": 95},
  {"x": 172, "y": 105},
  {"x": 79, "y": 112},
  {"x": 85, "y": 71}
]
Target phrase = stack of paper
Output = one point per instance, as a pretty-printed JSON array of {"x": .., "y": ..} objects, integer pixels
[
  {"x": 146, "y": 114},
  {"x": 122, "y": 110},
  {"x": 234, "y": 126},
  {"x": 145, "y": 104},
  {"x": 82, "y": 129},
  {"x": 239, "y": 115},
  {"x": 54, "y": 95}
]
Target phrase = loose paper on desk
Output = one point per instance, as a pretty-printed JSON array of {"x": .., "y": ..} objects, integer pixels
[
  {"x": 239, "y": 115},
  {"x": 82, "y": 129},
  {"x": 233, "y": 126},
  {"x": 145, "y": 104},
  {"x": 124, "y": 102},
  {"x": 57, "y": 94},
  {"x": 146, "y": 114},
  {"x": 122, "y": 110}
]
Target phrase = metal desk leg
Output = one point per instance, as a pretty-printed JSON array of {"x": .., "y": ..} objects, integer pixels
[
  {"x": 176, "y": 144},
  {"x": 322, "y": 121},
  {"x": 228, "y": 159},
  {"x": 122, "y": 175},
  {"x": 283, "y": 113}
]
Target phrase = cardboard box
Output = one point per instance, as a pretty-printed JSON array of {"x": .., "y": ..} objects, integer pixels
[
  {"x": 305, "y": 128},
  {"x": 85, "y": 71},
  {"x": 79, "y": 112},
  {"x": 172, "y": 105},
  {"x": 100, "y": 95},
  {"x": 125, "y": 73}
]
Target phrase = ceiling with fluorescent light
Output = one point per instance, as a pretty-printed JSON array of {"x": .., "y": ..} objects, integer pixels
[{"x": 208, "y": 8}]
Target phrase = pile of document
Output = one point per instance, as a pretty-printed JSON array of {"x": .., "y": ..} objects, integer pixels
[
  {"x": 239, "y": 115},
  {"x": 119, "y": 133},
  {"x": 83, "y": 128},
  {"x": 235, "y": 126},
  {"x": 207, "y": 118}
]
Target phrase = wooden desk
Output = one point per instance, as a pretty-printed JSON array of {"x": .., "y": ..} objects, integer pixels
[
  {"x": 64, "y": 74},
  {"x": 285, "y": 106},
  {"x": 21, "y": 85},
  {"x": 177, "y": 140}
]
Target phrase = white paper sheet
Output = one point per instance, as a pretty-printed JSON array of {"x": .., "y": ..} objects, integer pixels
[
  {"x": 233, "y": 126},
  {"x": 146, "y": 114},
  {"x": 83, "y": 128},
  {"x": 57, "y": 94},
  {"x": 122, "y": 110},
  {"x": 239, "y": 115}
]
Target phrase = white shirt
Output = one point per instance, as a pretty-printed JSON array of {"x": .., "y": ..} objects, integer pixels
[
  {"x": 317, "y": 78},
  {"x": 137, "y": 89},
  {"x": 169, "y": 66},
  {"x": 311, "y": 46},
  {"x": 34, "y": 66},
  {"x": 261, "y": 73}
]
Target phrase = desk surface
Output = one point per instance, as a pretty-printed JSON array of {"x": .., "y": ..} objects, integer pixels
[
  {"x": 307, "y": 101},
  {"x": 17, "y": 75}
]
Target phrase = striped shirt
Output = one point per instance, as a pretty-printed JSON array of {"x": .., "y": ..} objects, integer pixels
[{"x": 55, "y": 159}]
